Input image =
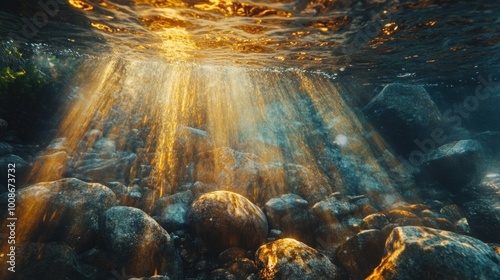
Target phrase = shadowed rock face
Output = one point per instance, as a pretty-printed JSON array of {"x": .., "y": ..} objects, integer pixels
[
  {"x": 290, "y": 259},
  {"x": 404, "y": 113},
  {"x": 425, "y": 253},
  {"x": 139, "y": 242},
  {"x": 225, "y": 219},
  {"x": 67, "y": 210},
  {"x": 455, "y": 164}
]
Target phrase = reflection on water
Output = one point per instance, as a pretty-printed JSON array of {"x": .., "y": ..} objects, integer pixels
[{"x": 376, "y": 39}]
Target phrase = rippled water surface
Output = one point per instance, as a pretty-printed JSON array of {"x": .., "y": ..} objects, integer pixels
[{"x": 423, "y": 40}]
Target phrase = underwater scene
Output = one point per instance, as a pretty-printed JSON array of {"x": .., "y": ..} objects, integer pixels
[{"x": 250, "y": 139}]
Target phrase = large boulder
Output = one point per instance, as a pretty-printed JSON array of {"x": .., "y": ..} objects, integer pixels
[
  {"x": 290, "y": 259},
  {"x": 139, "y": 242},
  {"x": 454, "y": 165},
  {"x": 483, "y": 217},
  {"x": 290, "y": 214},
  {"x": 405, "y": 114},
  {"x": 424, "y": 253},
  {"x": 359, "y": 255},
  {"x": 171, "y": 211},
  {"x": 225, "y": 219},
  {"x": 67, "y": 210},
  {"x": 46, "y": 262}
]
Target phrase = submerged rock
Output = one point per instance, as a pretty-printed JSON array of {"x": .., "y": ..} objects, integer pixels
[
  {"x": 483, "y": 217},
  {"x": 225, "y": 219},
  {"x": 406, "y": 114},
  {"x": 5, "y": 148},
  {"x": 139, "y": 242},
  {"x": 171, "y": 211},
  {"x": 424, "y": 253},
  {"x": 290, "y": 259},
  {"x": 455, "y": 164},
  {"x": 20, "y": 165},
  {"x": 359, "y": 255},
  {"x": 289, "y": 213},
  {"x": 66, "y": 210},
  {"x": 46, "y": 262}
]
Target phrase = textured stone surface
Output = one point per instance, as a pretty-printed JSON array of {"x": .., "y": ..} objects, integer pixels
[
  {"x": 424, "y": 253},
  {"x": 290, "y": 259},
  {"x": 139, "y": 242},
  {"x": 225, "y": 219}
]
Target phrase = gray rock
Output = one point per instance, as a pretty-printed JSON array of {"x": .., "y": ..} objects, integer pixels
[
  {"x": 333, "y": 209},
  {"x": 405, "y": 114},
  {"x": 139, "y": 242},
  {"x": 290, "y": 214},
  {"x": 290, "y": 259},
  {"x": 424, "y": 253},
  {"x": 5, "y": 148},
  {"x": 483, "y": 217},
  {"x": 171, "y": 211},
  {"x": 66, "y": 210},
  {"x": 359, "y": 255},
  {"x": 49, "y": 167},
  {"x": 225, "y": 219},
  {"x": 454, "y": 165},
  {"x": 46, "y": 262},
  {"x": 374, "y": 221},
  {"x": 20, "y": 165}
]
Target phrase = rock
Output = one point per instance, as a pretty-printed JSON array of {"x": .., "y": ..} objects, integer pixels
[
  {"x": 49, "y": 167},
  {"x": 359, "y": 255},
  {"x": 242, "y": 268},
  {"x": 225, "y": 219},
  {"x": 173, "y": 217},
  {"x": 424, "y": 253},
  {"x": 5, "y": 148},
  {"x": 58, "y": 144},
  {"x": 407, "y": 116},
  {"x": 221, "y": 274},
  {"x": 452, "y": 211},
  {"x": 290, "y": 214},
  {"x": 309, "y": 183},
  {"x": 334, "y": 210},
  {"x": 46, "y": 262},
  {"x": 290, "y": 259},
  {"x": 374, "y": 221},
  {"x": 483, "y": 217},
  {"x": 454, "y": 165},
  {"x": 395, "y": 214},
  {"x": 232, "y": 254},
  {"x": 66, "y": 210},
  {"x": 20, "y": 165},
  {"x": 139, "y": 242}
]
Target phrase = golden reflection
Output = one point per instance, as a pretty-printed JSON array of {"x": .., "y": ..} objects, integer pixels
[
  {"x": 82, "y": 5},
  {"x": 101, "y": 26}
]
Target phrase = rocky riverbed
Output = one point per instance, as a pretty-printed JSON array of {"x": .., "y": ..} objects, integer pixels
[{"x": 97, "y": 212}]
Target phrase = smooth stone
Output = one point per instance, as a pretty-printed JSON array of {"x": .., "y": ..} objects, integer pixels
[
  {"x": 424, "y": 253},
  {"x": 224, "y": 219}
]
